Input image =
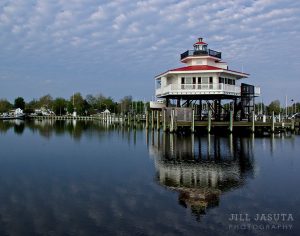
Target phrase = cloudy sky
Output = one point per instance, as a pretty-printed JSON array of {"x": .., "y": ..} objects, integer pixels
[{"x": 117, "y": 47}]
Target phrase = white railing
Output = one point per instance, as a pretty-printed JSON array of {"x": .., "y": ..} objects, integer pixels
[{"x": 218, "y": 88}]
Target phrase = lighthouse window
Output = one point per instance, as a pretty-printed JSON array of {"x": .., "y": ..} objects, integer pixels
[
  {"x": 194, "y": 80},
  {"x": 205, "y": 80},
  {"x": 233, "y": 82},
  {"x": 226, "y": 81},
  {"x": 199, "y": 80},
  {"x": 210, "y": 80},
  {"x": 188, "y": 80},
  {"x": 182, "y": 80},
  {"x": 229, "y": 81},
  {"x": 221, "y": 80},
  {"x": 158, "y": 84}
]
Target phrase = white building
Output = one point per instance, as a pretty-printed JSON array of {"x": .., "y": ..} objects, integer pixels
[{"x": 205, "y": 77}]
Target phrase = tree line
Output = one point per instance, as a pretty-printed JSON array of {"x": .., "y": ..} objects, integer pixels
[
  {"x": 89, "y": 105},
  {"x": 93, "y": 104},
  {"x": 276, "y": 107}
]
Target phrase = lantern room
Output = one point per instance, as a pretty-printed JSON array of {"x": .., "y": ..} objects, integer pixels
[{"x": 200, "y": 45}]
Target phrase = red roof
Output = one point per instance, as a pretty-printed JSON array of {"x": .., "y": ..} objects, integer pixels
[
  {"x": 202, "y": 67},
  {"x": 200, "y": 43}
]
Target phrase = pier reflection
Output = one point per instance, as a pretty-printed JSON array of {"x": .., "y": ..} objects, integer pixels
[{"x": 201, "y": 169}]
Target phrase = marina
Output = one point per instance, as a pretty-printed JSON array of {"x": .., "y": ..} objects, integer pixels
[{"x": 159, "y": 121}]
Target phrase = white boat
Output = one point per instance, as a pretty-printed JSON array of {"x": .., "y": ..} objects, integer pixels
[
  {"x": 13, "y": 114},
  {"x": 13, "y": 117}
]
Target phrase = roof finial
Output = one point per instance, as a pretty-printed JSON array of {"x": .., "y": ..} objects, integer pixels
[{"x": 200, "y": 39}]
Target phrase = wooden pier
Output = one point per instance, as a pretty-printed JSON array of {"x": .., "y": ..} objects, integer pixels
[
  {"x": 173, "y": 123},
  {"x": 170, "y": 121}
]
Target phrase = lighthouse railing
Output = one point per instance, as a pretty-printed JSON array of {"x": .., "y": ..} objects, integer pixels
[
  {"x": 201, "y": 88},
  {"x": 209, "y": 52}
]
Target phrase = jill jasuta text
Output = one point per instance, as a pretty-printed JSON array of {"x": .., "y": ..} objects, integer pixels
[{"x": 261, "y": 217}]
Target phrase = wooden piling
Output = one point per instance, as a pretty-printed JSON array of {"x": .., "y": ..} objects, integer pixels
[
  {"x": 164, "y": 120},
  {"x": 209, "y": 122},
  {"x": 273, "y": 123},
  {"x": 172, "y": 121},
  {"x": 253, "y": 122},
  {"x": 157, "y": 120},
  {"x": 293, "y": 125},
  {"x": 152, "y": 119},
  {"x": 193, "y": 121},
  {"x": 230, "y": 121},
  {"x": 147, "y": 119}
]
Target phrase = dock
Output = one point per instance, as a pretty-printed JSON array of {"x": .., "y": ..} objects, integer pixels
[
  {"x": 171, "y": 122},
  {"x": 161, "y": 120}
]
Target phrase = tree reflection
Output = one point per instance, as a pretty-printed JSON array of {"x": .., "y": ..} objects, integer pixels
[{"x": 48, "y": 128}]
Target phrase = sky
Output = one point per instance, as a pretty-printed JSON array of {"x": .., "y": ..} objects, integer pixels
[{"x": 116, "y": 48}]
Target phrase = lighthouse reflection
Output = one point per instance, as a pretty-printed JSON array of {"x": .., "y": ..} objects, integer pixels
[{"x": 201, "y": 169}]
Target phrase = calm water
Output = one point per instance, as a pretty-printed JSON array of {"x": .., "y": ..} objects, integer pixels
[{"x": 84, "y": 178}]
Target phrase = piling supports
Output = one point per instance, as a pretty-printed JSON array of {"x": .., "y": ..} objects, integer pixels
[
  {"x": 152, "y": 119},
  {"x": 273, "y": 123},
  {"x": 293, "y": 125},
  {"x": 193, "y": 121},
  {"x": 147, "y": 119},
  {"x": 253, "y": 122},
  {"x": 164, "y": 120},
  {"x": 209, "y": 122},
  {"x": 172, "y": 121},
  {"x": 157, "y": 120},
  {"x": 230, "y": 121}
]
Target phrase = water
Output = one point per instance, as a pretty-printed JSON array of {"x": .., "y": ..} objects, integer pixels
[{"x": 85, "y": 178}]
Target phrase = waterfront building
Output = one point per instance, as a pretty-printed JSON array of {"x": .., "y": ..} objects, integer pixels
[{"x": 205, "y": 83}]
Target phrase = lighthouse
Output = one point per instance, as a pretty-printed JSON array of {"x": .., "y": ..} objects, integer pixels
[{"x": 205, "y": 82}]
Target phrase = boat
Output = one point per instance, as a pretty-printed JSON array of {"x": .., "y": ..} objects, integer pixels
[
  {"x": 16, "y": 114},
  {"x": 13, "y": 117}
]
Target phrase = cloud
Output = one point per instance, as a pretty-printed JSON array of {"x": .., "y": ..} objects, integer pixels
[
  {"x": 98, "y": 15},
  {"x": 85, "y": 33}
]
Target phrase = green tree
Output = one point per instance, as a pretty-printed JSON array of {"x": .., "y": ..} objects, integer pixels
[
  {"x": 5, "y": 105},
  {"x": 78, "y": 103},
  {"x": 31, "y": 106},
  {"x": 126, "y": 104},
  {"x": 46, "y": 101},
  {"x": 70, "y": 107},
  {"x": 59, "y": 106},
  {"x": 260, "y": 108},
  {"x": 100, "y": 102},
  {"x": 91, "y": 100},
  {"x": 274, "y": 106},
  {"x": 19, "y": 103}
]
